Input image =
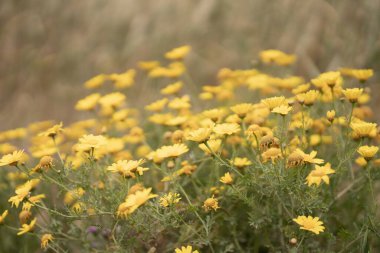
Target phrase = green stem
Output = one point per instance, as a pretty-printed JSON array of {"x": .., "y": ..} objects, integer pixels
[{"x": 222, "y": 161}]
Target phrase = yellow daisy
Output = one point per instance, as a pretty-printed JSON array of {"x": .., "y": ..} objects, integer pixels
[
  {"x": 310, "y": 223},
  {"x": 12, "y": 159}
]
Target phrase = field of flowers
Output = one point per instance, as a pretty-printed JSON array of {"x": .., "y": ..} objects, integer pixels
[{"x": 262, "y": 161}]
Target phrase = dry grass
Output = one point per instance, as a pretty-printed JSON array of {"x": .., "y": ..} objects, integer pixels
[{"x": 49, "y": 48}]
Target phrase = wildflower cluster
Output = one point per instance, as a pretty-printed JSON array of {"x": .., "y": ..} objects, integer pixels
[{"x": 263, "y": 163}]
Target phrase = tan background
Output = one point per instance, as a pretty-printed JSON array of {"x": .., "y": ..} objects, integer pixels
[{"x": 49, "y": 48}]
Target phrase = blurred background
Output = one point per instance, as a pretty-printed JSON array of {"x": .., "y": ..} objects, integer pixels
[{"x": 48, "y": 49}]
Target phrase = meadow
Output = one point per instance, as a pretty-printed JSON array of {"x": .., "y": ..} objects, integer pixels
[{"x": 271, "y": 162}]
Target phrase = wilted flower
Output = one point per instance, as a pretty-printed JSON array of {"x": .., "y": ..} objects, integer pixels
[
  {"x": 210, "y": 204},
  {"x": 169, "y": 199},
  {"x": 330, "y": 115},
  {"x": 27, "y": 227},
  {"x": 45, "y": 240}
]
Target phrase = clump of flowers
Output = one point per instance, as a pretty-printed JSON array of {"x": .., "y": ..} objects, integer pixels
[{"x": 261, "y": 160}]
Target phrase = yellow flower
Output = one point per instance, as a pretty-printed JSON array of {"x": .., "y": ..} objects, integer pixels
[
  {"x": 45, "y": 239},
  {"x": 160, "y": 118},
  {"x": 172, "y": 88},
  {"x": 6, "y": 148},
  {"x": 12, "y": 159},
  {"x": 310, "y": 223},
  {"x": 37, "y": 198},
  {"x": 353, "y": 94},
  {"x": 53, "y": 131},
  {"x": 301, "y": 88},
  {"x": 282, "y": 109},
  {"x": 269, "y": 141},
  {"x": 360, "y": 74},
  {"x": 172, "y": 151},
  {"x": 169, "y": 199},
  {"x": 253, "y": 130},
  {"x": 148, "y": 65},
  {"x": 78, "y": 207},
  {"x": 114, "y": 145},
  {"x": 214, "y": 114},
  {"x": 199, "y": 135},
  {"x": 187, "y": 249},
  {"x": 206, "y": 96},
  {"x": 214, "y": 145},
  {"x": 364, "y": 129},
  {"x": 226, "y": 128},
  {"x": 176, "y": 121},
  {"x": 273, "y": 102},
  {"x": 73, "y": 195},
  {"x": 175, "y": 69},
  {"x": 123, "y": 80},
  {"x": 88, "y": 142},
  {"x": 127, "y": 168},
  {"x": 180, "y": 103},
  {"x": 178, "y": 53},
  {"x": 17, "y": 133},
  {"x": 310, "y": 158},
  {"x": 277, "y": 57},
  {"x": 242, "y": 109},
  {"x": 96, "y": 81},
  {"x": 330, "y": 115},
  {"x": 319, "y": 174},
  {"x": 134, "y": 201},
  {"x": 27, "y": 227},
  {"x": 23, "y": 191},
  {"x": 3, "y": 215},
  {"x": 241, "y": 162},
  {"x": 272, "y": 154},
  {"x": 178, "y": 136},
  {"x": 361, "y": 161},
  {"x": 112, "y": 100},
  {"x": 308, "y": 98},
  {"x": 298, "y": 157},
  {"x": 186, "y": 169},
  {"x": 157, "y": 105},
  {"x": 368, "y": 152},
  {"x": 329, "y": 79},
  {"x": 211, "y": 203},
  {"x": 226, "y": 179},
  {"x": 88, "y": 103}
]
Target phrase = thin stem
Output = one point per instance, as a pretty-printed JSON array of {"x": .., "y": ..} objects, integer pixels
[
  {"x": 222, "y": 161},
  {"x": 197, "y": 214},
  {"x": 351, "y": 112}
]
